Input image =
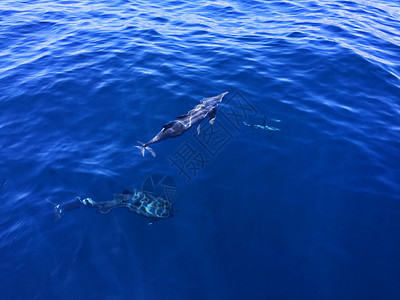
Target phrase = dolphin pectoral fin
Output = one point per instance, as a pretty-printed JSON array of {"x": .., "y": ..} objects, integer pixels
[
  {"x": 141, "y": 149},
  {"x": 182, "y": 117},
  {"x": 212, "y": 115},
  {"x": 198, "y": 129}
]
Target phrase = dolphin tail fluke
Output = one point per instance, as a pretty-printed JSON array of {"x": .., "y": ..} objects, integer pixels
[
  {"x": 143, "y": 148},
  {"x": 57, "y": 210},
  {"x": 152, "y": 152}
]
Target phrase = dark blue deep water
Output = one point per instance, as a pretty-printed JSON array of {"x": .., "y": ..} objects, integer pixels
[{"x": 308, "y": 212}]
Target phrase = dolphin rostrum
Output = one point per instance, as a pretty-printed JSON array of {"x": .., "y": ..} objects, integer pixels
[{"x": 207, "y": 107}]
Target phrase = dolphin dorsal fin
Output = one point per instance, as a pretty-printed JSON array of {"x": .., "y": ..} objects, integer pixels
[
  {"x": 181, "y": 117},
  {"x": 166, "y": 126}
]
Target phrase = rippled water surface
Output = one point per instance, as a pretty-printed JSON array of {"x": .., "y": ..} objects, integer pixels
[{"x": 308, "y": 212}]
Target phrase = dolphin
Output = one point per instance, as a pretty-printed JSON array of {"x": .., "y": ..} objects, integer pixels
[
  {"x": 207, "y": 107},
  {"x": 143, "y": 203},
  {"x": 264, "y": 126}
]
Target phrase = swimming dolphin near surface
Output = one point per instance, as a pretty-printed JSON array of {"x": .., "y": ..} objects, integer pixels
[
  {"x": 207, "y": 107},
  {"x": 264, "y": 125}
]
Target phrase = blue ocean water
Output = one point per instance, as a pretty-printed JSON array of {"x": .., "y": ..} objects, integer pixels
[{"x": 308, "y": 212}]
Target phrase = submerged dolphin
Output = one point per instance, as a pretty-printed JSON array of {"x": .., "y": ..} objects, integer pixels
[
  {"x": 264, "y": 126},
  {"x": 143, "y": 203},
  {"x": 207, "y": 107}
]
